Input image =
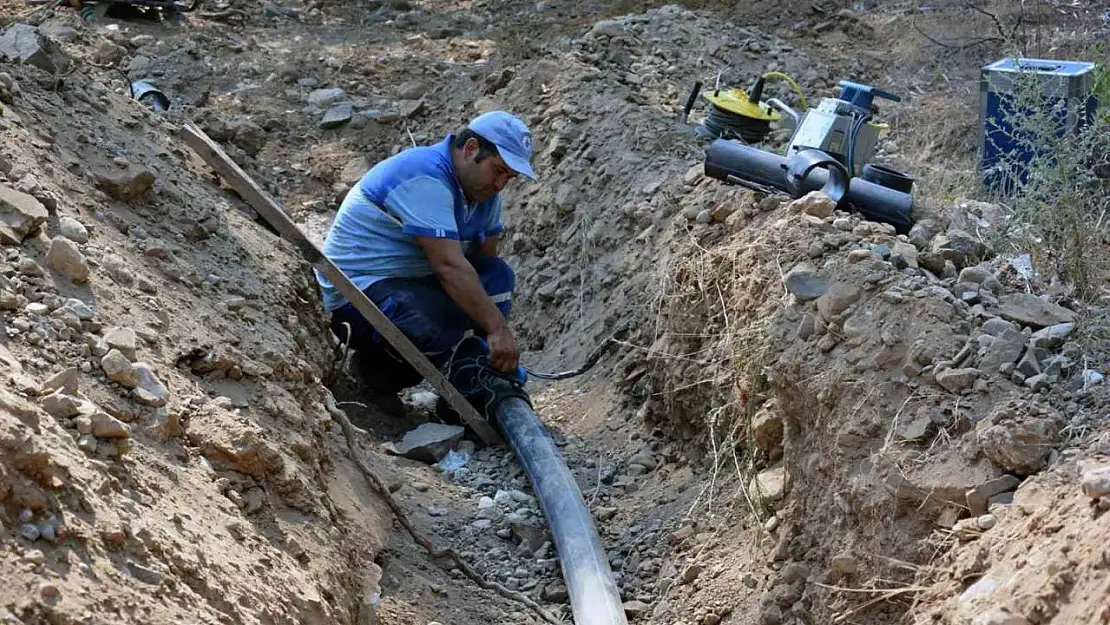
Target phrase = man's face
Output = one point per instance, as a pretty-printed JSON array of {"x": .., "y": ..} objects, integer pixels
[{"x": 482, "y": 180}]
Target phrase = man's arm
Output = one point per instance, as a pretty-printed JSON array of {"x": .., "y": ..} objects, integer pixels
[
  {"x": 489, "y": 246},
  {"x": 462, "y": 284}
]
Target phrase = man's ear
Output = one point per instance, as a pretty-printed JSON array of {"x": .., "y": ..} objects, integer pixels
[{"x": 470, "y": 148}]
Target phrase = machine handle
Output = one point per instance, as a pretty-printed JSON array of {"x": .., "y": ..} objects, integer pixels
[
  {"x": 878, "y": 93},
  {"x": 690, "y": 100}
]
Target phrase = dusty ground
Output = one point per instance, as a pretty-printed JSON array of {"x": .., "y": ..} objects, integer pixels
[{"x": 926, "y": 450}]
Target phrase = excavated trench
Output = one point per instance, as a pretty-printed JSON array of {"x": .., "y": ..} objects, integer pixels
[{"x": 748, "y": 455}]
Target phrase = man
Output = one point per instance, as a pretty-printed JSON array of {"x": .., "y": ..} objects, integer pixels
[{"x": 419, "y": 235}]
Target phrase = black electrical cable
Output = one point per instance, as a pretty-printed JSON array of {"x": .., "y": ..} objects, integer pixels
[
  {"x": 727, "y": 125},
  {"x": 591, "y": 360}
]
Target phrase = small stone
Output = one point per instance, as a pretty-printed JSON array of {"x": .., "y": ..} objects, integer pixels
[
  {"x": 22, "y": 43},
  {"x": 996, "y": 326},
  {"x": 1017, "y": 444},
  {"x": 636, "y": 609},
  {"x": 892, "y": 297},
  {"x": 20, "y": 214},
  {"x": 79, "y": 308},
  {"x": 845, "y": 564},
  {"x": 429, "y": 442},
  {"x": 978, "y": 498},
  {"x": 149, "y": 391},
  {"x": 325, "y": 97},
  {"x": 28, "y": 267},
  {"x": 48, "y": 590},
  {"x": 64, "y": 256},
  {"x": 803, "y": 283},
  {"x": 986, "y": 521},
  {"x": 814, "y": 203},
  {"x": 771, "y": 524},
  {"x": 126, "y": 184},
  {"x": 34, "y": 556},
  {"x": 119, "y": 369},
  {"x": 604, "y": 514},
  {"x": 1096, "y": 483},
  {"x": 1004, "y": 350},
  {"x": 123, "y": 339},
  {"x": 555, "y": 592},
  {"x": 1038, "y": 382},
  {"x": 61, "y": 406},
  {"x": 858, "y": 256},
  {"x": 87, "y": 442},
  {"x": 652, "y": 187},
  {"x": 30, "y": 532},
  {"x": 694, "y": 174},
  {"x": 957, "y": 380},
  {"x": 145, "y": 574},
  {"x": 1051, "y": 337},
  {"x": 108, "y": 53},
  {"x": 704, "y": 217},
  {"x": 65, "y": 381},
  {"x": 959, "y": 247},
  {"x": 105, "y": 425},
  {"x": 691, "y": 573},
  {"x": 644, "y": 459},
  {"x": 839, "y": 298},
  {"x": 235, "y": 302},
  {"x": 1033, "y": 311},
  {"x": 768, "y": 484},
  {"x": 337, "y": 115}
]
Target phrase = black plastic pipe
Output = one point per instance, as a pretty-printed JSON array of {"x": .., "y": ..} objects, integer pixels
[
  {"x": 594, "y": 598},
  {"x": 726, "y": 159}
]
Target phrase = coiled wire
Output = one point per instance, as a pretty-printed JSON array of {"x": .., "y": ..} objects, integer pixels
[{"x": 727, "y": 125}]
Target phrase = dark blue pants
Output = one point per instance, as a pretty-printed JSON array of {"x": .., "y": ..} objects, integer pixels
[{"x": 425, "y": 313}]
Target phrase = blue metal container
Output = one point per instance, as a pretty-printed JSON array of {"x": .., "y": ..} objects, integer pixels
[{"x": 1065, "y": 87}]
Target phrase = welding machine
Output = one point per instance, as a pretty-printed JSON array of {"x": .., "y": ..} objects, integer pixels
[{"x": 842, "y": 126}]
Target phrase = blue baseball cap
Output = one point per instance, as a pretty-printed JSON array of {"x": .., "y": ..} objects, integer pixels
[{"x": 510, "y": 135}]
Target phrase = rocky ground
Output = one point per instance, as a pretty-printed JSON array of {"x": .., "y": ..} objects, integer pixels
[{"x": 810, "y": 419}]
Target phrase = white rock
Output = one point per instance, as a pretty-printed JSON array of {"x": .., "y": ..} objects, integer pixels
[
  {"x": 150, "y": 390},
  {"x": 105, "y": 425},
  {"x": 814, "y": 203},
  {"x": 1096, "y": 482},
  {"x": 119, "y": 369},
  {"x": 79, "y": 308},
  {"x": 66, "y": 258},
  {"x": 73, "y": 230}
]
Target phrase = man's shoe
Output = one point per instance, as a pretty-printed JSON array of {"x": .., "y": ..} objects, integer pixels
[{"x": 378, "y": 389}]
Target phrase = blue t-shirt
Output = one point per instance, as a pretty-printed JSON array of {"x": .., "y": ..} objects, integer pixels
[{"x": 414, "y": 193}]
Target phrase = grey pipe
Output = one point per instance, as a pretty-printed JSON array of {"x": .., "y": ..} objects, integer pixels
[
  {"x": 726, "y": 159},
  {"x": 594, "y": 598}
]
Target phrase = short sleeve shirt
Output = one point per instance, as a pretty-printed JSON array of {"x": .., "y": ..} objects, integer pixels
[{"x": 414, "y": 193}]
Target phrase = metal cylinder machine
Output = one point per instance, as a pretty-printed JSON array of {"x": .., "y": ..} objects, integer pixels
[{"x": 831, "y": 148}]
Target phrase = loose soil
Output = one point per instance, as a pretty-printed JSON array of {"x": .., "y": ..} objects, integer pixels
[{"x": 807, "y": 417}]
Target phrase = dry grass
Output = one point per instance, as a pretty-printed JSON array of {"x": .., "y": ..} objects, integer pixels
[{"x": 716, "y": 304}]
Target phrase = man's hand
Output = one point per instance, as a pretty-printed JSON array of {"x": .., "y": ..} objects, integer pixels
[
  {"x": 503, "y": 353},
  {"x": 462, "y": 284}
]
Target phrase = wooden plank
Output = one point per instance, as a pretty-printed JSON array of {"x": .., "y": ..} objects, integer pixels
[{"x": 272, "y": 212}]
